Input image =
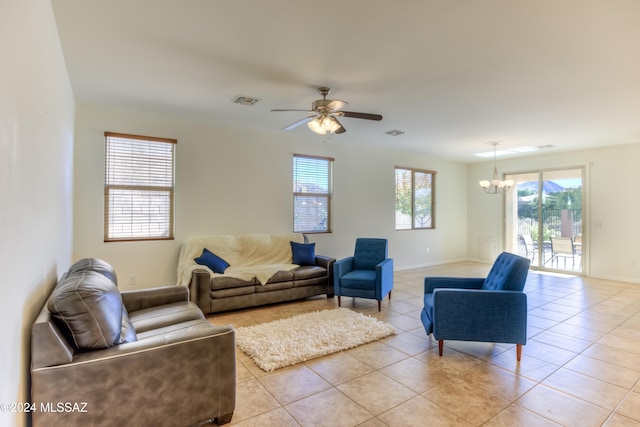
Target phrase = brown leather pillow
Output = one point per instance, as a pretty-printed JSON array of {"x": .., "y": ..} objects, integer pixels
[
  {"x": 97, "y": 265},
  {"x": 89, "y": 307},
  {"x": 104, "y": 268}
]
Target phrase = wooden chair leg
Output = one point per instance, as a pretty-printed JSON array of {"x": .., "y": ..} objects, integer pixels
[
  {"x": 339, "y": 301},
  {"x": 518, "y": 352},
  {"x": 440, "y": 347}
]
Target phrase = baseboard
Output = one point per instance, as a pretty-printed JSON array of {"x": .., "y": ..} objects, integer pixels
[
  {"x": 430, "y": 264},
  {"x": 615, "y": 278}
]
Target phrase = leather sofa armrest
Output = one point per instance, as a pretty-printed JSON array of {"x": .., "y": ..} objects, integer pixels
[
  {"x": 152, "y": 297},
  {"x": 328, "y": 263},
  {"x": 200, "y": 288},
  {"x": 324, "y": 261}
]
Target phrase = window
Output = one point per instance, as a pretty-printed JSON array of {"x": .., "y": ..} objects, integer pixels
[
  {"x": 414, "y": 199},
  {"x": 138, "y": 187},
  {"x": 312, "y": 190}
]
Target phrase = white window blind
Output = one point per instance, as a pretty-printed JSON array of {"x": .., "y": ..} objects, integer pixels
[
  {"x": 312, "y": 191},
  {"x": 138, "y": 187},
  {"x": 414, "y": 199}
]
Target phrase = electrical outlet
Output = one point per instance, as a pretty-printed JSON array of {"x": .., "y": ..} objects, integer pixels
[
  {"x": 428, "y": 250},
  {"x": 132, "y": 280}
]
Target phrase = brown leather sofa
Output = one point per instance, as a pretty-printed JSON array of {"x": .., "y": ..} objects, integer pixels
[
  {"x": 262, "y": 269},
  {"x": 145, "y": 358}
]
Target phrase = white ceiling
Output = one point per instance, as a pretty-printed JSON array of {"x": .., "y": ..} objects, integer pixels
[{"x": 453, "y": 74}]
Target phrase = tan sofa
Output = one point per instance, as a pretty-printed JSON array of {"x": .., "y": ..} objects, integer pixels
[
  {"x": 138, "y": 358},
  {"x": 261, "y": 270}
]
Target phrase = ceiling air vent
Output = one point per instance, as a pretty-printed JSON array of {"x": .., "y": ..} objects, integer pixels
[
  {"x": 244, "y": 100},
  {"x": 395, "y": 132}
]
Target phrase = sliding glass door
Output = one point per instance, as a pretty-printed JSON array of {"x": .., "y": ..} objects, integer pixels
[{"x": 543, "y": 216}]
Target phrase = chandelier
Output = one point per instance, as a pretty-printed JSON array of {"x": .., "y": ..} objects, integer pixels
[{"x": 496, "y": 185}]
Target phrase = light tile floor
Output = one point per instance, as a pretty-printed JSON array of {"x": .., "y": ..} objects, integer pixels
[{"x": 580, "y": 367}]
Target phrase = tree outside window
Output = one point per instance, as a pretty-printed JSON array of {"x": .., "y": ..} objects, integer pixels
[{"x": 414, "y": 199}]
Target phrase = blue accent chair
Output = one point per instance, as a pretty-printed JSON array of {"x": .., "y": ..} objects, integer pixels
[
  {"x": 491, "y": 309},
  {"x": 366, "y": 274}
]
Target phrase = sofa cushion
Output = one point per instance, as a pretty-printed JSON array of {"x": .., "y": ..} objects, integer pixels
[
  {"x": 303, "y": 253},
  {"x": 225, "y": 282},
  {"x": 309, "y": 272},
  {"x": 281, "y": 276},
  {"x": 88, "y": 307},
  {"x": 359, "y": 279},
  {"x": 164, "y": 315},
  {"x": 213, "y": 261},
  {"x": 176, "y": 328}
]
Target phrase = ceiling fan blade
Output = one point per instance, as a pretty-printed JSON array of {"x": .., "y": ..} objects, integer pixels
[
  {"x": 306, "y": 111},
  {"x": 355, "y": 115},
  {"x": 341, "y": 129},
  {"x": 299, "y": 122},
  {"x": 336, "y": 105}
]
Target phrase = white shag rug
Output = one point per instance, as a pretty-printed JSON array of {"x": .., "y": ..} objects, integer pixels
[{"x": 293, "y": 340}]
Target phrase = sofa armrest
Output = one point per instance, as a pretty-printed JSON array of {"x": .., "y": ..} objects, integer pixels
[
  {"x": 324, "y": 261},
  {"x": 141, "y": 382},
  {"x": 431, "y": 283},
  {"x": 472, "y": 315},
  {"x": 342, "y": 267},
  {"x": 152, "y": 297},
  {"x": 328, "y": 263},
  {"x": 384, "y": 276},
  {"x": 200, "y": 289}
]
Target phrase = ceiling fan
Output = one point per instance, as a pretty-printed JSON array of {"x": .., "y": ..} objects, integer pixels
[{"x": 325, "y": 113}]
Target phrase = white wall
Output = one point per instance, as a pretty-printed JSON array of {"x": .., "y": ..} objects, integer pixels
[
  {"x": 612, "y": 230},
  {"x": 36, "y": 149},
  {"x": 239, "y": 181}
]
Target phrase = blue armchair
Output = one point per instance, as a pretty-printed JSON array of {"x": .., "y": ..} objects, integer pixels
[
  {"x": 366, "y": 274},
  {"x": 478, "y": 309}
]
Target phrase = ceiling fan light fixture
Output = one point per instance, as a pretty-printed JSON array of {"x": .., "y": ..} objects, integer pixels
[
  {"x": 325, "y": 113},
  {"x": 323, "y": 125}
]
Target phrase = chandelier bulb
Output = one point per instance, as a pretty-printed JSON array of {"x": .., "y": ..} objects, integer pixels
[{"x": 496, "y": 185}]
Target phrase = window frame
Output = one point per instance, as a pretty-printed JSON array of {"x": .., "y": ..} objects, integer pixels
[
  {"x": 110, "y": 186},
  {"x": 432, "y": 181},
  {"x": 299, "y": 194}
]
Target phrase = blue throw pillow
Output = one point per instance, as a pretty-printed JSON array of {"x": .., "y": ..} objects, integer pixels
[
  {"x": 304, "y": 253},
  {"x": 213, "y": 261}
]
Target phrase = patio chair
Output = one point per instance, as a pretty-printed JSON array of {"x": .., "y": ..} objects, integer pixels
[
  {"x": 562, "y": 247},
  {"x": 530, "y": 247}
]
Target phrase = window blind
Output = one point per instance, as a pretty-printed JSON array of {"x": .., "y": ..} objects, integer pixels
[
  {"x": 138, "y": 187},
  {"x": 312, "y": 192}
]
